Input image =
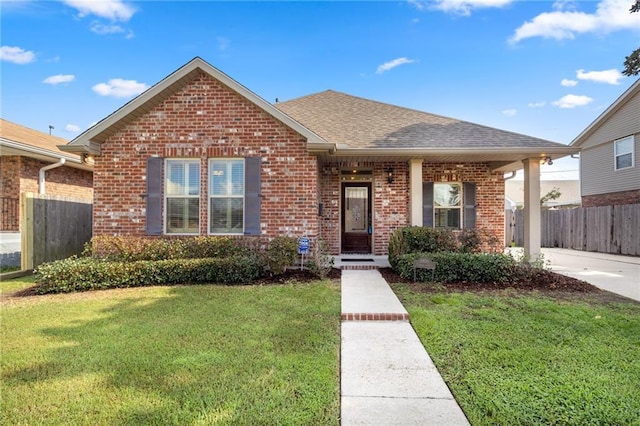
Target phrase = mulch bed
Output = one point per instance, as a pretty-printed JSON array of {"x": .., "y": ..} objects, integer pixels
[{"x": 539, "y": 279}]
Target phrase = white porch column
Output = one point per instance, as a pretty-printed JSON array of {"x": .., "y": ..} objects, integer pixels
[
  {"x": 531, "y": 207},
  {"x": 415, "y": 191}
]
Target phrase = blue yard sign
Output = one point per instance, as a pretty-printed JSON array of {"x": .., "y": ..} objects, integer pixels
[{"x": 303, "y": 245}]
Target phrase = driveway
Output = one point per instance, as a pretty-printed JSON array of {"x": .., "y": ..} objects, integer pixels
[{"x": 615, "y": 273}]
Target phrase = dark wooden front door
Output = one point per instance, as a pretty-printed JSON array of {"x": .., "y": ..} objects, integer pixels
[{"x": 356, "y": 218}]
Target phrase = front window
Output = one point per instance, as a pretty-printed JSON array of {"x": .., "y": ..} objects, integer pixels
[
  {"x": 447, "y": 205},
  {"x": 226, "y": 196},
  {"x": 624, "y": 152},
  {"x": 182, "y": 194}
]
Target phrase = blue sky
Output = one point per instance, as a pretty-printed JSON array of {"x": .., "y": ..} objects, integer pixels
[{"x": 542, "y": 68}]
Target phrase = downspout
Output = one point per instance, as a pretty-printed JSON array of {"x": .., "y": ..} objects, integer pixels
[{"x": 44, "y": 169}]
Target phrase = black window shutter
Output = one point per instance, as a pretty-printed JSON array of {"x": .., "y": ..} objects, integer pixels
[
  {"x": 469, "y": 189},
  {"x": 155, "y": 167},
  {"x": 252, "y": 170},
  {"x": 427, "y": 204}
]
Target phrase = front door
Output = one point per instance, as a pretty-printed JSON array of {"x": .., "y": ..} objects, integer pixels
[{"x": 356, "y": 218}]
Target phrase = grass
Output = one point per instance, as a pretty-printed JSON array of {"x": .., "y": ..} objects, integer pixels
[
  {"x": 172, "y": 355},
  {"x": 527, "y": 359}
]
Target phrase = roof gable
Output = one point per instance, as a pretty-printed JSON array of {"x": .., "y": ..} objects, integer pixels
[
  {"x": 633, "y": 92},
  {"x": 90, "y": 140}
]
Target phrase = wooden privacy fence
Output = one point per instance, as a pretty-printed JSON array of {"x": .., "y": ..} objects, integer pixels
[
  {"x": 53, "y": 227},
  {"x": 608, "y": 229}
]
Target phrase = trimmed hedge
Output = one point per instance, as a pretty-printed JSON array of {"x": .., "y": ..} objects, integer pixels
[
  {"x": 419, "y": 239},
  {"x": 77, "y": 274},
  {"x": 130, "y": 249},
  {"x": 459, "y": 267}
]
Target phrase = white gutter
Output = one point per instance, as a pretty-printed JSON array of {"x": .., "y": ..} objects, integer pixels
[
  {"x": 513, "y": 174},
  {"x": 44, "y": 169}
]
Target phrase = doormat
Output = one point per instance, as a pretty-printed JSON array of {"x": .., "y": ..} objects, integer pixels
[{"x": 356, "y": 260}]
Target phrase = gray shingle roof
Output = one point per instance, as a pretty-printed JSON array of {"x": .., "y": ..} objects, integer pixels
[{"x": 362, "y": 123}]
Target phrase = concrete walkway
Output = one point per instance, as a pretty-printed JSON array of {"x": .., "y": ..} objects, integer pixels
[
  {"x": 387, "y": 377},
  {"x": 615, "y": 273}
]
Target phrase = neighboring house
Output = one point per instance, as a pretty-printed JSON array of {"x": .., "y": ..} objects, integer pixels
[
  {"x": 30, "y": 161},
  {"x": 569, "y": 192},
  {"x": 200, "y": 154},
  {"x": 610, "y": 151}
]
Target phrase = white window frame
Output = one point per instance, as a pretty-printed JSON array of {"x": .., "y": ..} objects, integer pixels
[
  {"x": 616, "y": 154},
  {"x": 167, "y": 196},
  {"x": 210, "y": 195},
  {"x": 460, "y": 207}
]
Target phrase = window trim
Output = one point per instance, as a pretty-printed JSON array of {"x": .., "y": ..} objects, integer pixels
[
  {"x": 460, "y": 208},
  {"x": 616, "y": 155},
  {"x": 210, "y": 195},
  {"x": 166, "y": 196}
]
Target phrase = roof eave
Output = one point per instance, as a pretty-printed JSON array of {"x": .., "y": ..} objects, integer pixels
[
  {"x": 613, "y": 108},
  {"x": 553, "y": 152},
  {"x": 44, "y": 154}
]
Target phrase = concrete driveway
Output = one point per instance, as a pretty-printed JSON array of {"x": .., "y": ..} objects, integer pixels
[{"x": 615, "y": 273}]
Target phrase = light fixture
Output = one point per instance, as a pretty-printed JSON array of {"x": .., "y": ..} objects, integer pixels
[
  {"x": 87, "y": 159},
  {"x": 547, "y": 160},
  {"x": 389, "y": 172}
]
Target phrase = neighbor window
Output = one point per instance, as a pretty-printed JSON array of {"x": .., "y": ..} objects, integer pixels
[
  {"x": 226, "y": 196},
  {"x": 624, "y": 152},
  {"x": 447, "y": 205},
  {"x": 182, "y": 193}
]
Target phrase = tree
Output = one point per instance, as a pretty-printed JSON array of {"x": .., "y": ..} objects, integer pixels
[
  {"x": 554, "y": 194},
  {"x": 632, "y": 62}
]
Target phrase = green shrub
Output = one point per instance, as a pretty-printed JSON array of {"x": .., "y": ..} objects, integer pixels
[
  {"x": 321, "y": 262},
  {"x": 76, "y": 274},
  {"x": 282, "y": 253},
  {"x": 413, "y": 239},
  {"x": 128, "y": 248},
  {"x": 460, "y": 267}
]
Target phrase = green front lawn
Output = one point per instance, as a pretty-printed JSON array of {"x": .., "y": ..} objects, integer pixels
[
  {"x": 172, "y": 355},
  {"x": 527, "y": 358}
]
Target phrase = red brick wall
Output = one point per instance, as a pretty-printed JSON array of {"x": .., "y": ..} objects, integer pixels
[
  {"x": 10, "y": 176},
  {"x": 391, "y": 201},
  {"x": 612, "y": 199},
  {"x": 65, "y": 181},
  {"x": 489, "y": 192},
  {"x": 206, "y": 119}
]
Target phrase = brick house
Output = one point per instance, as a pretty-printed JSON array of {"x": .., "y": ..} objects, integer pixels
[
  {"x": 610, "y": 148},
  {"x": 30, "y": 161},
  {"x": 200, "y": 154}
]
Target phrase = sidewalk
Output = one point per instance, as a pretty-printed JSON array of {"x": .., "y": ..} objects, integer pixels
[{"x": 387, "y": 377}]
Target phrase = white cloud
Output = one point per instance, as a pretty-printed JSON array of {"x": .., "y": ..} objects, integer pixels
[
  {"x": 568, "y": 83},
  {"x": 392, "y": 64},
  {"x": 510, "y": 112},
  {"x": 60, "y": 78},
  {"x": 610, "y": 15},
  {"x": 72, "y": 128},
  {"x": 17, "y": 55},
  {"x": 458, "y": 7},
  {"x": 572, "y": 101},
  {"x": 115, "y": 10},
  {"x": 536, "y": 104},
  {"x": 120, "y": 88},
  {"x": 612, "y": 76}
]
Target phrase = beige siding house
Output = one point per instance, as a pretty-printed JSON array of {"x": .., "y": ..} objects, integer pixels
[{"x": 610, "y": 152}]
